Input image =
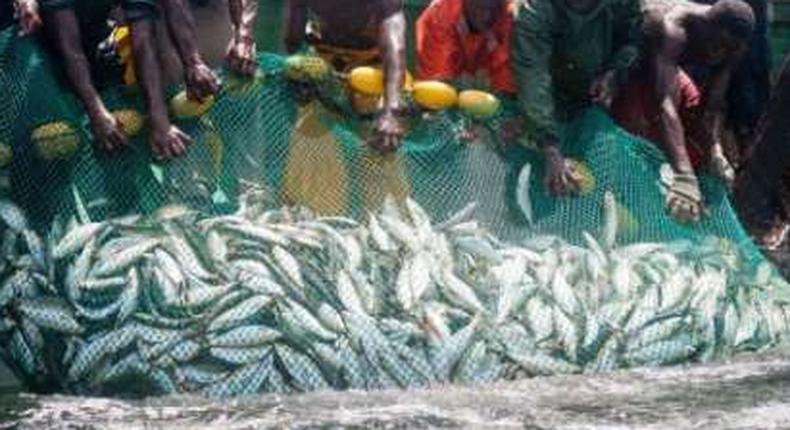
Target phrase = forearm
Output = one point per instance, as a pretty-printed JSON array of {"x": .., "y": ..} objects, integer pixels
[
  {"x": 182, "y": 30},
  {"x": 243, "y": 15},
  {"x": 716, "y": 98},
  {"x": 65, "y": 28},
  {"x": 147, "y": 66},
  {"x": 674, "y": 139},
  {"x": 394, "y": 49}
]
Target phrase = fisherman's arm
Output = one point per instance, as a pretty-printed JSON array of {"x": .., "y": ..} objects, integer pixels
[
  {"x": 392, "y": 39},
  {"x": 61, "y": 21},
  {"x": 166, "y": 140},
  {"x": 242, "y": 50},
  {"x": 671, "y": 124},
  {"x": 627, "y": 34},
  {"x": 684, "y": 199},
  {"x": 716, "y": 100},
  {"x": 296, "y": 24},
  {"x": 531, "y": 58},
  {"x": 200, "y": 79}
]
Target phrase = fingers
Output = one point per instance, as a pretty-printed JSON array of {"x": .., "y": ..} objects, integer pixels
[
  {"x": 180, "y": 142},
  {"x": 202, "y": 83},
  {"x": 555, "y": 184},
  {"x": 242, "y": 60},
  {"x": 249, "y": 66},
  {"x": 117, "y": 140},
  {"x": 390, "y": 143},
  {"x": 684, "y": 210},
  {"x": 386, "y": 143},
  {"x": 159, "y": 151},
  {"x": 195, "y": 92},
  {"x": 173, "y": 144},
  {"x": 678, "y": 211},
  {"x": 119, "y": 136}
]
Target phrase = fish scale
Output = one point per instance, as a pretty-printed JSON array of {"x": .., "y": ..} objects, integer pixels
[
  {"x": 76, "y": 239},
  {"x": 292, "y": 302},
  {"x": 50, "y": 314},
  {"x": 303, "y": 371},
  {"x": 240, "y": 312},
  {"x": 246, "y": 336}
]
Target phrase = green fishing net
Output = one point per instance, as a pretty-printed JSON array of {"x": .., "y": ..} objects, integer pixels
[{"x": 281, "y": 254}]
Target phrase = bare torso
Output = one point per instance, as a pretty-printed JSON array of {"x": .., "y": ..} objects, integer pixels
[{"x": 663, "y": 22}]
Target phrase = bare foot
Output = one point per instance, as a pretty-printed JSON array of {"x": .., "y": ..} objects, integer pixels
[
  {"x": 170, "y": 143},
  {"x": 108, "y": 132}
]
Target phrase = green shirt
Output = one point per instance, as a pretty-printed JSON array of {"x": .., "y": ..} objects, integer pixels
[{"x": 559, "y": 51}]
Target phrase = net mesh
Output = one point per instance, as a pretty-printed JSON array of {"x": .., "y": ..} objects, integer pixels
[{"x": 304, "y": 300}]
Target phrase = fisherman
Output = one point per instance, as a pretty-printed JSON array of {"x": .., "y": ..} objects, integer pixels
[
  {"x": 467, "y": 39},
  {"x": 77, "y": 28},
  {"x": 353, "y": 33},
  {"x": 662, "y": 104},
  {"x": 568, "y": 54},
  {"x": 763, "y": 190},
  {"x": 750, "y": 86},
  {"x": 203, "y": 34}
]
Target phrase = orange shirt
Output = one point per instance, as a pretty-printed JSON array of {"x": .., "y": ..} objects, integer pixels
[{"x": 447, "y": 50}]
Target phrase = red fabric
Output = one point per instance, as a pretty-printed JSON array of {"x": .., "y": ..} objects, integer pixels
[
  {"x": 637, "y": 110},
  {"x": 447, "y": 50}
]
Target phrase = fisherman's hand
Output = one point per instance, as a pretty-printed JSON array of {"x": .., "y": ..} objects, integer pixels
[
  {"x": 511, "y": 131},
  {"x": 684, "y": 199},
  {"x": 107, "y": 131},
  {"x": 469, "y": 132},
  {"x": 200, "y": 80},
  {"x": 561, "y": 179},
  {"x": 26, "y": 12},
  {"x": 603, "y": 89},
  {"x": 389, "y": 133},
  {"x": 169, "y": 143},
  {"x": 240, "y": 56}
]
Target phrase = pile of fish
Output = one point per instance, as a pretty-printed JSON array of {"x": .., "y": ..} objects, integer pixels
[{"x": 284, "y": 301}]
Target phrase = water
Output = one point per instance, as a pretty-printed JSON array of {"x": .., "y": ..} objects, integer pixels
[{"x": 748, "y": 393}]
